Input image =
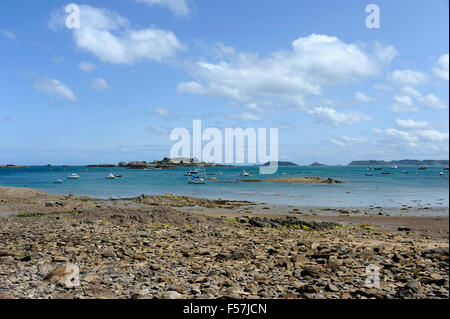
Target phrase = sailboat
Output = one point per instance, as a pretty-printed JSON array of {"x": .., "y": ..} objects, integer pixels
[
  {"x": 244, "y": 173},
  {"x": 110, "y": 176},
  {"x": 196, "y": 179}
]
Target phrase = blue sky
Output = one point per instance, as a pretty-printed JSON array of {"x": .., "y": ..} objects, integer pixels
[{"x": 115, "y": 88}]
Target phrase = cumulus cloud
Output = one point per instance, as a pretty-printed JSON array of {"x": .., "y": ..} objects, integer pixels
[
  {"x": 363, "y": 98},
  {"x": 407, "y": 90},
  {"x": 99, "y": 84},
  {"x": 419, "y": 139},
  {"x": 408, "y": 77},
  {"x": 178, "y": 7},
  {"x": 331, "y": 116},
  {"x": 441, "y": 68},
  {"x": 86, "y": 66},
  {"x": 403, "y": 104},
  {"x": 109, "y": 37},
  {"x": 432, "y": 102},
  {"x": 314, "y": 62},
  {"x": 55, "y": 88},
  {"x": 411, "y": 124}
]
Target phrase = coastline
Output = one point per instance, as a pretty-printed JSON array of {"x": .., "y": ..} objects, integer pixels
[{"x": 168, "y": 246}]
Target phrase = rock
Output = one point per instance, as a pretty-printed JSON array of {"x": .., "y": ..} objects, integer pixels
[
  {"x": 63, "y": 276},
  {"x": 403, "y": 229},
  {"x": 440, "y": 253},
  {"x": 413, "y": 285},
  {"x": 331, "y": 288},
  {"x": 60, "y": 259},
  {"x": 97, "y": 292},
  {"x": 312, "y": 271},
  {"x": 171, "y": 295},
  {"x": 23, "y": 256}
]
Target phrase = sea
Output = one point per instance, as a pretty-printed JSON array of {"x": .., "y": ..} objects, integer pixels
[{"x": 404, "y": 186}]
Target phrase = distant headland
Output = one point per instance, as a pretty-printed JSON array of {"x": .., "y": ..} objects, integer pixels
[
  {"x": 165, "y": 163},
  {"x": 406, "y": 162}
]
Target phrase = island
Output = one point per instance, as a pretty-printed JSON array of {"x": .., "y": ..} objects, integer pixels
[{"x": 406, "y": 162}]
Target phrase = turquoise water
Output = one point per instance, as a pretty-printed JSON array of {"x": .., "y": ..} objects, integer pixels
[{"x": 417, "y": 188}]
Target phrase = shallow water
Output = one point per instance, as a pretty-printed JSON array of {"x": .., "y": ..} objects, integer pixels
[{"x": 416, "y": 189}]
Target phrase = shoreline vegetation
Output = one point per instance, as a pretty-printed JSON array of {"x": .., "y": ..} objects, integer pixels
[
  {"x": 168, "y": 246},
  {"x": 168, "y": 163}
]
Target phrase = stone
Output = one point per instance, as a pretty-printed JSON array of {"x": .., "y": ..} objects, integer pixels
[{"x": 171, "y": 295}]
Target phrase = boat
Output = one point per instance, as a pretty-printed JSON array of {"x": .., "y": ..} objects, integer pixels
[
  {"x": 394, "y": 167},
  {"x": 422, "y": 168},
  {"x": 446, "y": 169},
  {"x": 110, "y": 176},
  {"x": 117, "y": 175},
  {"x": 73, "y": 176},
  {"x": 378, "y": 168},
  {"x": 191, "y": 173},
  {"x": 369, "y": 174},
  {"x": 58, "y": 181},
  {"x": 195, "y": 179},
  {"x": 441, "y": 173},
  {"x": 385, "y": 173},
  {"x": 244, "y": 173}
]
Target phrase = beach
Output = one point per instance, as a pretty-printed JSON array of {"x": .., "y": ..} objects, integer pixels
[{"x": 170, "y": 246}]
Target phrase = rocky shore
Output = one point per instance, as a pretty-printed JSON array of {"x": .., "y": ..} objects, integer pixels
[{"x": 156, "y": 247}]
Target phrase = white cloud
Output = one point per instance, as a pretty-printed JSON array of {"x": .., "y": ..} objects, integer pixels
[
  {"x": 432, "y": 102},
  {"x": 250, "y": 117},
  {"x": 178, "y": 7},
  {"x": 401, "y": 135},
  {"x": 420, "y": 140},
  {"x": 109, "y": 37},
  {"x": 411, "y": 124},
  {"x": 352, "y": 139},
  {"x": 161, "y": 111},
  {"x": 314, "y": 62},
  {"x": 433, "y": 135},
  {"x": 403, "y": 104},
  {"x": 191, "y": 87},
  {"x": 408, "y": 77},
  {"x": 407, "y": 90},
  {"x": 86, "y": 66},
  {"x": 331, "y": 116},
  {"x": 99, "y": 84},
  {"x": 55, "y": 88},
  {"x": 441, "y": 69},
  {"x": 8, "y": 34},
  {"x": 361, "y": 97},
  {"x": 337, "y": 142}
]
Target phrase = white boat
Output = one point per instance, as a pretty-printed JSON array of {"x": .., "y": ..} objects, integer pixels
[
  {"x": 73, "y": 176},
  {"x": 191, "y": 173},
  {"x": 394, "y": 167},
  {"x": 196, "y": 180},
  {"x": 58, "y": 181},
  {"x": 244, "y": 173},
  {"x": 441, "y": 173},
  {"x": 111, "y": 176}
]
